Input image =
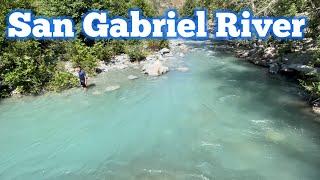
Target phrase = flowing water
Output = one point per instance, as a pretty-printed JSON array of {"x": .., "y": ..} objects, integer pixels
[{"x": 223, "y": 119}]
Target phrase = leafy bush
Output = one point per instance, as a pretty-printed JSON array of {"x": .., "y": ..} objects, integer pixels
[
  {"x": 81, "y": 55},
  {"x": 118, "y": 46},
  {"x": 62, "y": 81},
  {"x": 136, "y": 53},
  {"x": 157, "y": 45},
  {"x": 24, "y": 64},
  {"x": 103, "y": 52},
  {"x": 144, "y": 5}
]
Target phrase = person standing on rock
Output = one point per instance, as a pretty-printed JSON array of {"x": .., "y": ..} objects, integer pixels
[{"x": 82, "y": 77}]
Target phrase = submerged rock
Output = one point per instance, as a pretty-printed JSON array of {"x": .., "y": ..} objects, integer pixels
[
  {"x": 96, "y": 93},
  {"x": 274, "y": 136},
  {"x": 274, "y": 68},
  {"x": 132, "y": 77},
  {"x": 112, "y": 88},
  {"x": 182, "y": 69},
  {"x": 155, "y": 68}
]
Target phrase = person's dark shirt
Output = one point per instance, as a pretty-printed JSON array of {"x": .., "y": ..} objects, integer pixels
[{"x": 82, "y": 75}]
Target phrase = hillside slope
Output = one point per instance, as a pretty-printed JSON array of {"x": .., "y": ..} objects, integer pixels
[{"x": 162, "y": 5}]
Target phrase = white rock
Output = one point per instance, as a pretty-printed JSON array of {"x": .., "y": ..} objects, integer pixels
[
  {"x": 69, "y": 68},
  {"x": 168, "y": 55},
  {"x": 16, "y": 93},
  {"x": 112, "y": 88},
  {"x": 122, "y": 58},
  {"x": 121, "y": 66},
  {"x": 132, "y": 77},
  {"x": 102, "y": 66},
  {"x": 155, "y": 69},
  {"x": 151, "y": 58},
  {"x": 164, "y": 51},
  {"x": 182, "y": 69},
  {"x": 316, "y": 109}
]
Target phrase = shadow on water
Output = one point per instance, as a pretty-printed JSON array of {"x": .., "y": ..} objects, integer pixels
[{"x": 90, "y": 86}]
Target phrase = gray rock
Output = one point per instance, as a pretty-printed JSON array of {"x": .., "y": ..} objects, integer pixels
[
  {"x": 274, "y": 68},
  {"x": 304, "y": 69}
]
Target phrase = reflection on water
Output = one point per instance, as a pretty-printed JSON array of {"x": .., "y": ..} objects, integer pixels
[{"x": 223, "y": 119}]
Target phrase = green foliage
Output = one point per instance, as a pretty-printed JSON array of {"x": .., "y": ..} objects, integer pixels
[
  {"x": 188, "y": 8},
  {"x": 103, "y": 51},
  {"x": 29, "y": 66},
  {"x": 61, "y": 81},
  {"x": 24, "y": 64},
  {"x": 81, "y": 55},
  {"x": 118, "y": 46},
  {"x": 144, "y": 5},
  {"x": 157, "y": 45},
  {"x": 313, "y": 87},
  {"x": 136, "y": 52}
]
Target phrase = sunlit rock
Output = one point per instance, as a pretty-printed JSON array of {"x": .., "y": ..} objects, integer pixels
[
  {"x": 182, "y": 69},
  {"x": 132, "y": 77},
  {"x": 112, "y": 88},
  {"x": 155, "y": 68},
  {"x": 164, "y": 51}
]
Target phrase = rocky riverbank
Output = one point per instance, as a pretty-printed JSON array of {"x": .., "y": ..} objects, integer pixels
[{"x": 155, "y": 64}]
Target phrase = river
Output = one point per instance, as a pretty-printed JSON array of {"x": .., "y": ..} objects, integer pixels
[{"x": 223, "y": 119}]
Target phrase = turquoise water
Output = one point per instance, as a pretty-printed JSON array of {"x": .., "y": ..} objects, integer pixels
[{"x": 223, "y": 119}]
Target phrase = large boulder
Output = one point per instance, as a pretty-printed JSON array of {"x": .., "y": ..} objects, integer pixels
[{"x": 155, "y": 68}]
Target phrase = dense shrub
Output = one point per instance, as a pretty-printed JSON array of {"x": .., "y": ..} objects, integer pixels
[
  {"x": 136, "y": 53},
  {"x": 104, "y": 52},
  {"x": 24, "y": 64},
  {"x": 156, "y": 45},
  {"x": 81, "y": 55},
  {"x": 29, "y": 66},
  {"x": 61, "y": 81}
]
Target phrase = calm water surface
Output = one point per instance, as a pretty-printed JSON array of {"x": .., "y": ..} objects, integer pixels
[{"x": 223, "y": 119}]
